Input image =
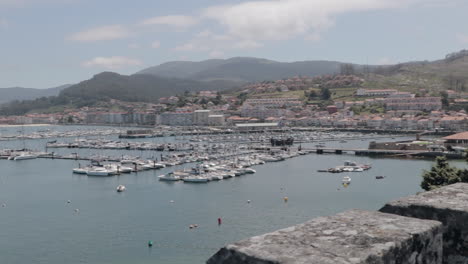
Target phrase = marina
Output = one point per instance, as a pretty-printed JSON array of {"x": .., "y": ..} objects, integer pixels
[{"x": 250, "y": 189}]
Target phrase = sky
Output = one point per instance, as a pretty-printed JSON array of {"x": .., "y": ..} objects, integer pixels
[{"x": 47, "y": 43}]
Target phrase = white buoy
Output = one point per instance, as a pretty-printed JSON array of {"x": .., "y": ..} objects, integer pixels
[
  {"x": 248, "y": 201},
  {"x": 68, "y": 201},
  {"x": 171, "y": 201},
  {"x": 77, "y": 210}
]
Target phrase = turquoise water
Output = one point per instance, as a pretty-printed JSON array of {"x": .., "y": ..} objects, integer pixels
[{"x": 39, "y": 226}]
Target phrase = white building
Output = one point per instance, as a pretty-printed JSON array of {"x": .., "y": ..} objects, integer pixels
[
  {"x": 201, "y": 117},
  {"x": 416, "y": 103},
  {"x": 176, "y": 118},
  {"x": 365, "y": 92},
  {"x": 216, "y": 120}
]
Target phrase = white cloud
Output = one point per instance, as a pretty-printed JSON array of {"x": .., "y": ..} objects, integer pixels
[
  {"x": 249, "y": 24},
  {"x": 156, "y": 44},
  {"x": 177, "y": 21},
  {"x": 209, "y": 41},
  {"x": 283, "y": 19},
  {"x": 462, "y": 38},
  {"x": 115, "y": 62},
  {"x": 101, "y": 33}
]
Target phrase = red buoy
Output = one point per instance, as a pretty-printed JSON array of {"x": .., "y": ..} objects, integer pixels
[{"x": 219, "y": 221}]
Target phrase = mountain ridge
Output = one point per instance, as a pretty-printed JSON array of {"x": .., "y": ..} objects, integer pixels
[
  {"x": 241, "y": 69},
  {"x": 22, "y": 93}
]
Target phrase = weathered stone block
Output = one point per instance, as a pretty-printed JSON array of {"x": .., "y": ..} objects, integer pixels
[
  {"x": 352, "y": 237},
  {"x": 448, "y": 205}
]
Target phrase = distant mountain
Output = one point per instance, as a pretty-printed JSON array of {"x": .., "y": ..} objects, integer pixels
[
  {"x": 136, "y": 88},
  {"x": 241, "y": 69},
  {"x": 109, "y": 85},
  {"x": 20, "y": 93},
  {"x": 175, "y": 78}
]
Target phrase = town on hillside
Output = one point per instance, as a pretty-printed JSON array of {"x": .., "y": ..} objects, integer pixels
[{"x": 298, "y": 101}]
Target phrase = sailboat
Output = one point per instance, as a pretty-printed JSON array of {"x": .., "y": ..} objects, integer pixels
[{"x": 24, "y": 155}]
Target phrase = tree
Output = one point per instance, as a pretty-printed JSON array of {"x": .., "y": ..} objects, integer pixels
[
  {"x": 325, "y": 94},
  {"x": 182, "y": 101},
  {"x": 242, "y": 97},
  {"x": 70, "y": 119},
  {"x": 440, "y": 175},
  {"x": 203, "y": 101},
  {"x": 218, "y": 99},
  {"x": 445, "y": 99}
]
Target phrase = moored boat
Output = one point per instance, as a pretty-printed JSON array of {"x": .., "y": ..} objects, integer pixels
[
  {"x": 346, "y": 180},
  {"x": 121, "y": 188},
  {"x": 195, "y": 179},
  {"x": 169, "y": 177}
]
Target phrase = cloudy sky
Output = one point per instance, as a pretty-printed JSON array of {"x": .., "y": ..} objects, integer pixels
[{"x": 46, "y": 43}]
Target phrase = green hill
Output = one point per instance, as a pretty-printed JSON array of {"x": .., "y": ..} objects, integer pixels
[
  {"x": 242, "y": 69},
  {"x": 20, "y": 93},
  {"x": 109, "y": 85}
]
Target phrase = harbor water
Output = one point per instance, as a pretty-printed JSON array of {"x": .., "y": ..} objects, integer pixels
[{"x": 51, "y": 216}]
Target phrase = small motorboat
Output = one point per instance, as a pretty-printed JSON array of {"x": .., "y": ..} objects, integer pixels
[
  {"x": 195, "y": 179},
  {"x": 346, "y": 180},
  {"x": 379, "y": 177},
  {"x": 99, "y": 171},
  {"x": 80, "y": 170},
  {"x": 121, "y": 188},
  {"x": 169, "y": 177}
]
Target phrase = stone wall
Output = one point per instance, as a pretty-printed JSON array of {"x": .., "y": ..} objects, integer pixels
[
  {"x": 448, "y": 205},
  {"x": 429, "y": 228},
  {"x": 351, "y": 237}
]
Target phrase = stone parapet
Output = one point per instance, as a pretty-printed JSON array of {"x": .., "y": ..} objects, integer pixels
[
  {"x": 351, "y": 237},
  {"x": 448, "y": 205}
]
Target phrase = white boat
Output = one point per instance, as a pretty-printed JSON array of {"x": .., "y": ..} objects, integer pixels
[
  {"x": 80, "y": 170},
  {"x": 121, "y": 188},
  {"x": 120, "y": 169},
  {"x": 99, "y": 171},
  {"x": 195, "y": 179},
  {"x": 156, "y": 165},
  {"x": 249, "y": 170},
  {"x": 169, "y": 177},
  {"x": 25, "y": 156},
  {"x": 346, "y": 180}
]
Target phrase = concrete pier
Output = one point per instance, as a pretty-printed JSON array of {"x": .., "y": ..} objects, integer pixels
[
  {"x": 448, "y": 205},
  {"x": 352, "y": 237}
]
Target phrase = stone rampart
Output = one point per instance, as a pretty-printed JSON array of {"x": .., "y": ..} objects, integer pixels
[
  {"x": 351, "y": 237},
  {"x": 448, "y": 205}
]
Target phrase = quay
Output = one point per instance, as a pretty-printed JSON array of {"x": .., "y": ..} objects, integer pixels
[{"x": 385, "y": 152}]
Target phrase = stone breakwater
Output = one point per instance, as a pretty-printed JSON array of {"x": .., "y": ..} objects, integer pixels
[{"x": 430, "y": 228}]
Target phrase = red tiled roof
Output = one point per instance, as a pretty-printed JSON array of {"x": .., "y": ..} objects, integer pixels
[{"x": 459, "y": 136}]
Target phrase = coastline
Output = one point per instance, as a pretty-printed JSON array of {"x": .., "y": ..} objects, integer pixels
[{"x": 29, "y": 125}]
